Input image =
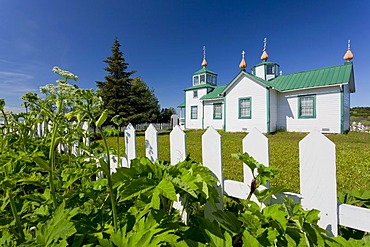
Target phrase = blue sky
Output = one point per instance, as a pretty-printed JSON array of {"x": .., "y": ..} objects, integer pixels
[{"x": 163, "y": 40}]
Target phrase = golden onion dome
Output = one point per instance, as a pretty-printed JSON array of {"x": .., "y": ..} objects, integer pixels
[
  {"x": 204, "y": 63},
  {"x": 243, "y": 63},
  {"x": 348, "y": 56},
  {"x": 264, "y": 56}
]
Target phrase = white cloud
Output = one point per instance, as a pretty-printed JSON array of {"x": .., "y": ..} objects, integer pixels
[
  {"x": 15, "y": 84},
  {"x": 14, "y": 109}
]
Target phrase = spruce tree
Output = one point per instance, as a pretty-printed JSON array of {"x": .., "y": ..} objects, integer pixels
[
  {"x": 129, "y": 98},
  {"x": 115, "y": 90}
]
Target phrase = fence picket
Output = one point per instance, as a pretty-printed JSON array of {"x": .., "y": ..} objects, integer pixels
[
  {"x": 212, "y": 158},
  {"x": 318, "y": 179},
  {"x": 177, "y": 145},
  {"x": 317, "y": 172},
  {"x": 130, "y": 144},
  {"x": 256, "y": 145},
  {"x": 86, "y": 138},
  {"x": 151, "y": 143}
]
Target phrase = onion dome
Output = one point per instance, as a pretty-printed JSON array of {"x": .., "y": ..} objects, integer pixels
[
  {"x": 264, "y": 55},
  {"x": 204, "y": 63},
  {"x": 348, "y": 56},
  {"x": 243, "y": 63}
]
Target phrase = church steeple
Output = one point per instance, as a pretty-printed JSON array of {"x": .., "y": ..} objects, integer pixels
[
  {"x": 204, "y": 75},
  {"x": 349, "y": 55},
  {"x": 243, "y": 63},
  {"x": 266, "y": 70},
  {"x": 204, "y": 63},
  {"x": 264, "y": 55}
]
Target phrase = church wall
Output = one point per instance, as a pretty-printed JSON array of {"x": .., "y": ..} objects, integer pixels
[
  {"x": 346, "y": 105},
  {"x": 328, "y": 111},
  {"x": 243, "y": 88},
  {"x": 194, "y": 101},
  {"x": 273, "y": 110},
  {"x": 208, "y": 115}
]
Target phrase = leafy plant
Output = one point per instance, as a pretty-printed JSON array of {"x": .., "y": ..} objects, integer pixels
[{"x": 55, "y": 190}]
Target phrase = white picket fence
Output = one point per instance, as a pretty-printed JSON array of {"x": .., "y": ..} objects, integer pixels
[{"x": 317, "y": 158}]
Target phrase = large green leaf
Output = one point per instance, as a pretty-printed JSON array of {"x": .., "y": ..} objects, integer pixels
[
  {"x": 57, "y": 229},
  {"x": 167, "y": 189}
]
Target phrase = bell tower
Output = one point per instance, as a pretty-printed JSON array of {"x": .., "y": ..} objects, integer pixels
[
  {"x": 266, "y": 70},
  {"x": 204, "y": 75}
]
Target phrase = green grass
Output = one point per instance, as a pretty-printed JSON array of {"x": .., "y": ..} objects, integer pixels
[
  {"x": 360, "y": 114},
  {"x": 352, "y": 154}
]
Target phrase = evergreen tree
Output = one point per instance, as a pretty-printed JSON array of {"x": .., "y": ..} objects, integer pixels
[
  {"x": 165, "y": 115},
  {"x": 129, "y": 98},
  {"x": 146, "y": 107},
  {"x": 115, "y": 90}
]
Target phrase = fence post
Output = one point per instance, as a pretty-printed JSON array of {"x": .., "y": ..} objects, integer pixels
[
  {"x": 86, "y": 128},
  {"x": 318, "y": 179},
  {"x": 256, "y": 145},
  {"x": 212, "y": 158},
  {"x": 39, "y": 130},
  {"x": 177, "y": 145},
  {"x": 151, "y": 143},
  {"x": 130, "y": 143}
]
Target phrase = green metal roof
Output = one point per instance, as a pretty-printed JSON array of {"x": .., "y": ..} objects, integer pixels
[
  {"x": 215, "y": 94},
  {"x": 314, "y": 78},
  {"x": 204, "y": 70},
  {"x": 182, "y": 105},
  {"x": 206, "y": 85}
]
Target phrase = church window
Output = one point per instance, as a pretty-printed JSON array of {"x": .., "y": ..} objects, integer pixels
[
  {"x": 245, "y": 108},
  {"x": 270, "y": 69},
  {"x": 194, "y": 112},
  {"x": 195, "y": 94},
  {"x": 202, "y": 79},
  {"x": 209, "y": 79},
  {"x": 307, "y": 106},
  {"x": 195, "y": 80},
  {"x": 217, "y": 111}
]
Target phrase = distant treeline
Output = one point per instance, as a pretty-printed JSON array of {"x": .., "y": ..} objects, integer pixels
[{"x": 360, "y": 114}]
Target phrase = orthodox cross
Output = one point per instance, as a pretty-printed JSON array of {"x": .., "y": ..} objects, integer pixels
[{"x": 264, "y": 44}]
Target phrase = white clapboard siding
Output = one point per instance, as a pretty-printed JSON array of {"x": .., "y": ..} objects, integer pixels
[
  {"x": 177, "y": 145},
  {"x": 151, "y": 143},
  {"x": 318, "y": 182}
]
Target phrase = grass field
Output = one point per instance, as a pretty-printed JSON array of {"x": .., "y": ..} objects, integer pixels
[{"x": 353, "y": 156}]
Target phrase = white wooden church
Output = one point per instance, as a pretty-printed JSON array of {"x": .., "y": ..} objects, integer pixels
[{"x": 315, "y": 100}]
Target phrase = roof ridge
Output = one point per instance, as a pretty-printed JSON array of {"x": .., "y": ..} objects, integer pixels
[{"x": 330, "y": 67}]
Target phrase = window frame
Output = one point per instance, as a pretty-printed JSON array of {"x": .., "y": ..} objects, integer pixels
[
  {"x": 272, "y": 67},
  {"x": 196, "y": 80},
  {"x": 195, "y": 94},
  {"x": 196, "y": 112},
  {"x": 202, "y": 79},
  {"x": 214, "y": 110},
  {"x": 300, "y": 98},
  {"x": 250, "y": 108}
]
